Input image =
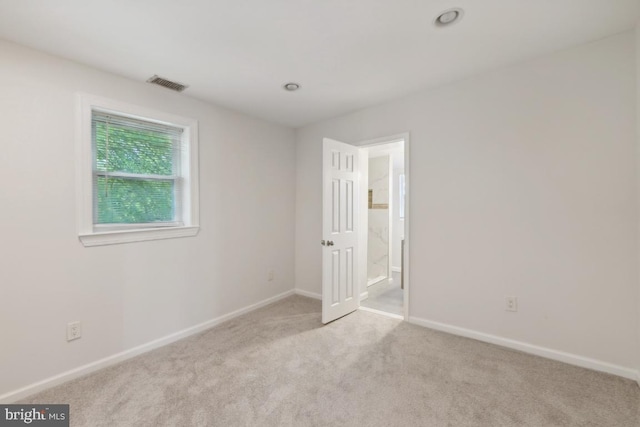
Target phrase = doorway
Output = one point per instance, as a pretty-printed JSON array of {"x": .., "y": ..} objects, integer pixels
[
  {"x": 348, "y": 275},
  {"x": 383, "y": 216}
]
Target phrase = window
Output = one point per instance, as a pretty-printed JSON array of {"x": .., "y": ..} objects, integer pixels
[{"x": 138, "y": 174}]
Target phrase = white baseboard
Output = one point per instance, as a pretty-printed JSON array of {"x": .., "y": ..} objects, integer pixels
[
  {"x": 382, "y": 313},
  {"x": 307, "y": 294},
  {"x": 396, "y": 269},
  {"x": 23, "y": 392},
  {"x": 572, "y": 359},
  {"x": 373, "y": 281}
]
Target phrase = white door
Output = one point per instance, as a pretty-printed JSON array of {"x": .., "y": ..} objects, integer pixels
[{"x": 340, "y": 294}]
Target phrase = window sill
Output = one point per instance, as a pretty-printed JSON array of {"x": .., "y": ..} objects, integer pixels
[{"x": 139, "y": 235}]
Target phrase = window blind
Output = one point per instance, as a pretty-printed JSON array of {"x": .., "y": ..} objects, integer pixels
[{"x": 136, "y": 171}]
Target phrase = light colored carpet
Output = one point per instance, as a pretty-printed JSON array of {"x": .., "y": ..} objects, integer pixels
[{"x": 279, "y": 366}]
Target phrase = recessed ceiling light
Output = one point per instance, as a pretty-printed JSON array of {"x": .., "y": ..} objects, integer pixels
[
  {"x": 291, "y": 86},
  {"x": 448, "y": 17}
]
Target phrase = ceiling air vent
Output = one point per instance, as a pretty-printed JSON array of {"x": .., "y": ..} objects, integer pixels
[{"x": 156, "y": 80}]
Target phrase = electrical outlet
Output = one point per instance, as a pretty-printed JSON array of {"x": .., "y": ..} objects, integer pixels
[
  {"x": 511, "y": 303},
  {"x": 74, "y": 330},
  {"x": 271, "y": 275}
]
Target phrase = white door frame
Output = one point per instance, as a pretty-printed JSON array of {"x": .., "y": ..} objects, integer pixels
[{"x": 363, "y": 236}]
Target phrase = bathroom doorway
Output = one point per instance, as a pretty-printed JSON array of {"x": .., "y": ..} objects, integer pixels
[{"x": 384, "y": 172}]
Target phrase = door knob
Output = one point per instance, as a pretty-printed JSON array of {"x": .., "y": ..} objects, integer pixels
[
  {"x": 330, "y": 243},
  {"x": 323, "y": 243}
]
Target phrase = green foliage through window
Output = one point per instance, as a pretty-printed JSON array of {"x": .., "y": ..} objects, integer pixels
[
  {"x": 134, "y": 201},
  {"x": 135, "y": 170}
]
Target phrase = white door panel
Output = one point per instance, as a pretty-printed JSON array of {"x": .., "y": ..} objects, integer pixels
[{"x": 340, "y": 230}]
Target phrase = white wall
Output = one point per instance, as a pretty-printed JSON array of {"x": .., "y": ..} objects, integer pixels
[
  {"x": 637, "y": 32},
  {"x": 378, "y": 221},
  {"x": 126, "y": 295},
  {"x": 523, "y": 182}
]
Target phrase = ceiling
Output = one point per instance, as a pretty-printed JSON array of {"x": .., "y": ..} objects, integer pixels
[{"x": 346, "y": 54}]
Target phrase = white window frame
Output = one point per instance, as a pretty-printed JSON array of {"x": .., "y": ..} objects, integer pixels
[{"x": 91, "y": 234}]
